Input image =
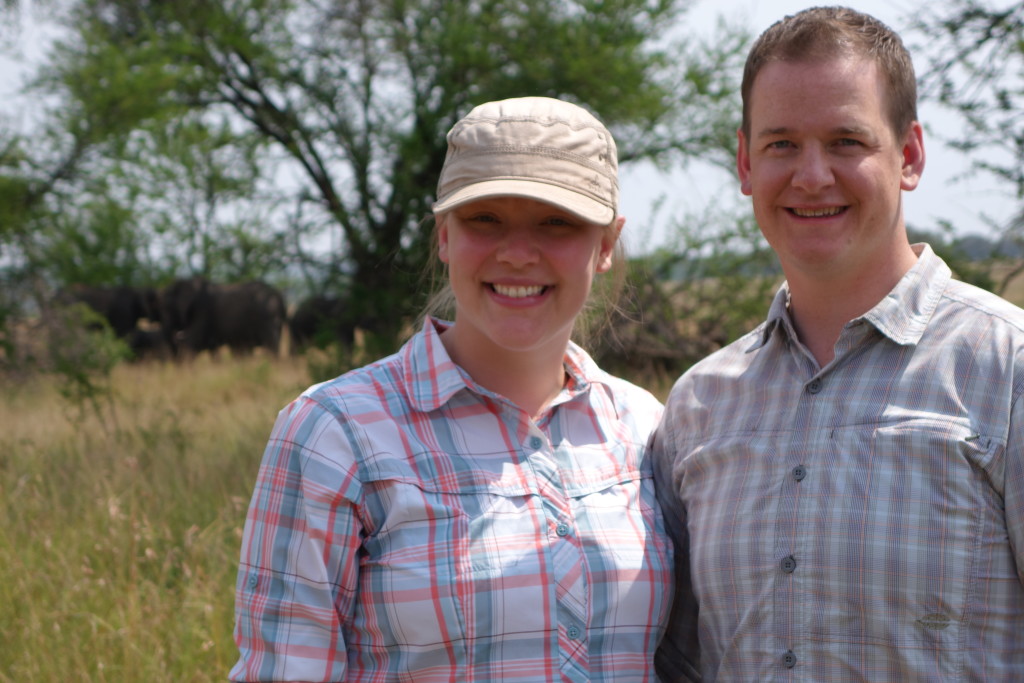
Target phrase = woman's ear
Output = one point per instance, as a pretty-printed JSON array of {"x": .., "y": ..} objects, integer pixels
[
  {"x": 442, "y": 236},
  {"x": 608, "y": 242}
]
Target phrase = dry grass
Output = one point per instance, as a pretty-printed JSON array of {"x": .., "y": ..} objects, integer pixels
[
  {"x": 119, "y": 532},
  {"x": 1015, "y": 290},
  {"x": 119, "y": 529}
]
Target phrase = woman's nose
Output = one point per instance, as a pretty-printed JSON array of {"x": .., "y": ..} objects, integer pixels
[{"x": 518, "y": 248}]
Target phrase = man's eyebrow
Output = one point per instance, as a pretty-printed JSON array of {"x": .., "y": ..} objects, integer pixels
[
  {"x": 770, "y": 132},
  {"x": 785, "y": 130}
]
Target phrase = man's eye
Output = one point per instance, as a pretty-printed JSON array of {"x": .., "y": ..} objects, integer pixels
[
  {"x": 848, "y": 142},
  {"x": 483, "y": 218},
  {"x": 780, "y": 144}
]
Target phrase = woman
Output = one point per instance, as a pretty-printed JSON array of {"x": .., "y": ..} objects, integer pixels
[{"x": 478, "y": 506}]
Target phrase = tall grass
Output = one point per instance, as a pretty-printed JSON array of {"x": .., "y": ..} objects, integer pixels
[{"x": 119, "y": 530}]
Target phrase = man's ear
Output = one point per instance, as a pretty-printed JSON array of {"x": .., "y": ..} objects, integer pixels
[
  {"x": 913, "y": 157},
  {"x": 743, "y": 163}
]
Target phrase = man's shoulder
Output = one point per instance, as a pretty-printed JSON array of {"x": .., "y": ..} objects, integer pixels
[
  {"x": 733, "y": 353},
  {"x": 973, "y": 302},
  {"x": 731, "y": 362}
]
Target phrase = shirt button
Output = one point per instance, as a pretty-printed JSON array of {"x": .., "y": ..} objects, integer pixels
[
  {"x": 573, "y": 633},
  {"x": 789, "y": 564},
  {"x": 253, "y": 580},
  {"x": 789, "y": 659},
  {"x": 562, "y": 529},
  {"x": 535, "y": 442},
  {"x": 814, "y": 387},
  {"x": 799, "y": 472}
]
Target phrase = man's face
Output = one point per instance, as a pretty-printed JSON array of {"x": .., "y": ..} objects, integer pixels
[{"x": 825, "y": 169}]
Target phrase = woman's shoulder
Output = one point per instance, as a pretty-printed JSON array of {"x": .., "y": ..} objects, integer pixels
[
  {"x": 367, "y": 387},
  {"x": 627, "y": 397},
  {"x": 627, "y": 392}
]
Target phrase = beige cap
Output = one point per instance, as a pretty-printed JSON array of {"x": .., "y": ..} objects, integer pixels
[{"x": 534, "y": 147}]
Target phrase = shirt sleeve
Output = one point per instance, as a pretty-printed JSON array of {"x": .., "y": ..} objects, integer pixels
[
  {"x": 299, "y": 567},
  {"x": 678, "y": 656},
  {"x": 1013, "y": 490}
]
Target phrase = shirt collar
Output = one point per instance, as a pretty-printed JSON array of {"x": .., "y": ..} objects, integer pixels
[
  {"x": 902, "y": 315},
  {"x": 432, "y": 378}
]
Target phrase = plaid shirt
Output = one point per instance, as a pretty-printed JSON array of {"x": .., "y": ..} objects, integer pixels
[
  {"x": 860, "y": 522},
  {"x": 409, "y": 525}
]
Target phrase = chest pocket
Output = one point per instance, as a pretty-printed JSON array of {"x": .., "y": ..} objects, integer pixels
[
  {"x": 427, "y": 530},
  {"x": 917, "y": 495},
  {"x": 471, "y": 554}
]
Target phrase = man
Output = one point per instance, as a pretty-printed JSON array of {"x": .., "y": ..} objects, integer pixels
[{"x": 845, "y": 485}]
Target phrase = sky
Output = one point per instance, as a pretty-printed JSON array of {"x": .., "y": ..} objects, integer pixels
[
  {"x": 697, "y": 189},
  {"x": 693, "y": 191}
]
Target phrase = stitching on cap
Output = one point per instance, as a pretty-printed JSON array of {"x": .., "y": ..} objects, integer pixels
[
  {"x": 552, "y": 152},
  {"x": 547, "y": 123},
  {"x": 596, "y": 196}
]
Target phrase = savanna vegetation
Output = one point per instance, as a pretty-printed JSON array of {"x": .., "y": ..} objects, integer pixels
[
  {"x": 119, "y": 523},
  {"x": 121, "y": 513},
  {"x": 298, "y": 142}
]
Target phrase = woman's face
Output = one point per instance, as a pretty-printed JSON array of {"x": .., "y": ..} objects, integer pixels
[{"x": 520, "y": 271}]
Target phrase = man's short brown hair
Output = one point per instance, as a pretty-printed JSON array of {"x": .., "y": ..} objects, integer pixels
[{"x": 826, "y": 33}]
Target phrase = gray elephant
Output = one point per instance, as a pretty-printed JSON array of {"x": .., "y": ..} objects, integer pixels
[
  {"x": 320, "y": 320},
  {"x": 199, "y": 315},
  {"x": 122, "y": 306},
  {"x": 148, "y": 344}
]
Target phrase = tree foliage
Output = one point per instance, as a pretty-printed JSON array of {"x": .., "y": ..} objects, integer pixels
[
  {"x": 684, "y": 303},
  {"x": 975, "y": 66},
  {"x": 303, "y": 139}
]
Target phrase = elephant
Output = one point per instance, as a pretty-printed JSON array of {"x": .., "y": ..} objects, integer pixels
[
  {"x": 199, "y": 315},
  {"x": 320, "y": 319},
  {"x": 148, "y": 344},
  {"x": 122, "y": 306}
]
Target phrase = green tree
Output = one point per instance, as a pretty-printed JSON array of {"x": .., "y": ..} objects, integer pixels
[
  {"x": 683, "y": 303},
  {"x": 338, "y": 113},
  {"x": 975, "y": 67}
]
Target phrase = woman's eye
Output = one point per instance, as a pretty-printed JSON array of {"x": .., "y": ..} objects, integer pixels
[{"x": 562, "y": 220}]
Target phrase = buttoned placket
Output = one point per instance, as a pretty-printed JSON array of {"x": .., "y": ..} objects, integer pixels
[
  {"x": 566, "y": 553},
  {"x": 797, "y": 467},
  {"x": 811, "y": 420}
]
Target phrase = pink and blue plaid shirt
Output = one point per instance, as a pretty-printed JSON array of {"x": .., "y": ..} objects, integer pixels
[
  {"x": 409, "y": 525},
  {"x": 858, "y": 522}
]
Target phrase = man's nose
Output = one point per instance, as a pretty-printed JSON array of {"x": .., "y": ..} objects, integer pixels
[{"x": 813, "y": 171}]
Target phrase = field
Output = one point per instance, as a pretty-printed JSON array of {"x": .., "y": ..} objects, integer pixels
[
  {"x": 119, "y": 528},
  {"x": 1015, "y": 289},
  {"x": 119, "y": 531},
  {"x": 119, "y": 535}
]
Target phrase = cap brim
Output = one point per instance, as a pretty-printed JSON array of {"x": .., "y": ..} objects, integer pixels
[{"x": 575, "y": 203}]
